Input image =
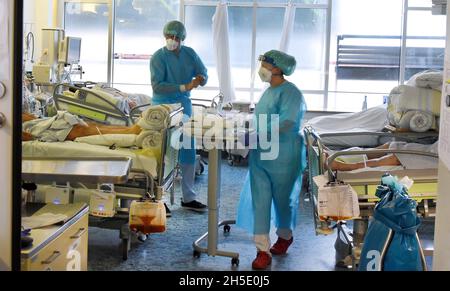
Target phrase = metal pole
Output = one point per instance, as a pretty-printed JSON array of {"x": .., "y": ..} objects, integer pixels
[
  {"x": 213, "y": 199},
  {"x": 403, "y": 44},
  {"x": 327, "y": 55},
  {"x": 253, "y": 61},
  {"x": 112, "y": 12}
]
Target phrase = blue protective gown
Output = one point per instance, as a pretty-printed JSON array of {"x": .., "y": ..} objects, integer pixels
[
  {"x": 170, "y": 70},
  {"x": 275, "y": 184}
]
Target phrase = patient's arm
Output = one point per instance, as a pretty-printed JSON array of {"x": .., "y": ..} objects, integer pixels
[{"x": 387, "y": 160}]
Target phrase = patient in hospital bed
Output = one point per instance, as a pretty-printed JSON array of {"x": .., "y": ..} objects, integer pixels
[
  {"x": 373, "y": 160},
  {"x": 71, "y": 128}
]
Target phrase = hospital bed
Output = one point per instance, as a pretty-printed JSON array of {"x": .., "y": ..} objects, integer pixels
[
  {"x": 364, "y": 182},
  {"x": 150, "y": 176},
  {"x": 97, "y": 104}
]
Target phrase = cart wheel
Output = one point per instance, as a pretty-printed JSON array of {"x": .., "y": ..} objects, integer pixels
[
  {"x": 199, "y": 171},
  {"x": 231, "y": 162},
  {"x": 196, "y": 254},
  {"x": 226, "y": 228},
  {"x": 202, "y": 168},
  {"x": 235, "y": 262},
  {"x": 125, "y": 243},
  {"x": 172, "y": 194}
]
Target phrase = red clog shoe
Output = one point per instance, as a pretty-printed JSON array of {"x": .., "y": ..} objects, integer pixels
[
  {"x": 262, "y": 261},
  {"x": 281, "y": 246}
]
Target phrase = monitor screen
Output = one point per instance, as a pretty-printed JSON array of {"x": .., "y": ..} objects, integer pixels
[{"x": 73, "y": 50}]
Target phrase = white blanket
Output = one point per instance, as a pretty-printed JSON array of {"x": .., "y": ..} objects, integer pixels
[
  {"x": 144, "y": 162},
  {"x": 149, "y": 139},
  {"x": 430, "y": 79},
  {"x": 119, "y": 140},
  {"x": 371, "y": 120},
  {"x": 52, "y": 129},
  {"x": 157, "y": 117},
  {"x": 410, "y": 161},
  {"x": 404, "y": 98},
  {"x": 413, "y": 120}
]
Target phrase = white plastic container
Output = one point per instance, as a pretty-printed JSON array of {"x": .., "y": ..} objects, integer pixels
[{"x": 102, "y": 202}]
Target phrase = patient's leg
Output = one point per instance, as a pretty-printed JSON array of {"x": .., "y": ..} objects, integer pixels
[
  {"x": 95, "y": 129},
  {"x": 92, "y": 128},
  {"x": 26, "y": 136}
]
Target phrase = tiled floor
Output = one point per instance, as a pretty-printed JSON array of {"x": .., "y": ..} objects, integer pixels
[{"x": 172, "y": 250}]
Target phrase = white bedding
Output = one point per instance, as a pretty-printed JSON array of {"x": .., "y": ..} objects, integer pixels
[
  {"x": 377, "y": 169},
  {"x": 74, "y": 149},
  {"x": 372, "y": 120}
]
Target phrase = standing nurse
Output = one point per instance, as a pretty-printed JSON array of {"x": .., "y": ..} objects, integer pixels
[
  {"x": 175, "y": 70},
  {"x": 276, "y": 180}
]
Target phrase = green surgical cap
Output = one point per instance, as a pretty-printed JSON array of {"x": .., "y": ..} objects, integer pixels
[
  {"x": 281, "y": 60},
  {"x": 175, "y": 28}
]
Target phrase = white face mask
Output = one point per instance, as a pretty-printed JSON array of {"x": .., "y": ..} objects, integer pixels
[
  {"x": 171, "y": 44},
  {"x": 265, "y": 74}
]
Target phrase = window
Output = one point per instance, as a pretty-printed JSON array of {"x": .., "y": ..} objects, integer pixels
[
  {"x": 90, "y": 22},
  {"x": 199, "y": 37},
  {"x": 425, "y": 43},
  {"x": 308, "y": 46},
  {"x": 138, "y": 34},
  {"x": 309, "y": 33},
  {"x": 363, "y": 52}
]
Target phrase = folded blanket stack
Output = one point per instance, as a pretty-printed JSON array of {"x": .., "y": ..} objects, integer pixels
[
  {"x": 157, "y": 117},
  {"x": 416, "y": 106}
]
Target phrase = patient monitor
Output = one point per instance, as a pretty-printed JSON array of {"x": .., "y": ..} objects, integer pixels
[{"x": 70, "y": 50}]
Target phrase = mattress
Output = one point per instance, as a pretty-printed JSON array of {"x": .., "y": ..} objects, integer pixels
[{"x": 145, "y": 163}]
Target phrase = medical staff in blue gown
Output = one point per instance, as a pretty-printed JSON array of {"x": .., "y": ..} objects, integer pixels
[
  {"x": 274, "y": 183},
  {"x": 175, "y": 70}
]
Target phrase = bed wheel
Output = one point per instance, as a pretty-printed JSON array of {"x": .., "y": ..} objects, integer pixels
[
  {"x": 226, "y": 228},
  {"x": 196, "y": 254},
  {"x": 235, "y": 262},
  {"x": 125, "y": 248}
]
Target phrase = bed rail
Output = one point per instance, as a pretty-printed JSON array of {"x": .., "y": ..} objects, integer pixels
[
  {"x": 102, "y": 110},
  {"x": 333, "y": 177}
]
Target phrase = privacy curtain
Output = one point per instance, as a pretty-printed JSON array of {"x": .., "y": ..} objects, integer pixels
[
  {"x": 222, "y": 51},
  {"x": 288, "y": 27}
]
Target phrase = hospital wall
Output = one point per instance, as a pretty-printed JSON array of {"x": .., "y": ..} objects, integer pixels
[
  {"x": 39, "y": 14},
  {"x": 441, "y": 258}
]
